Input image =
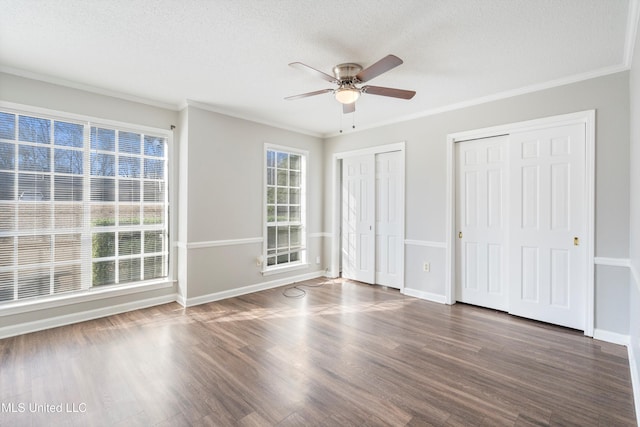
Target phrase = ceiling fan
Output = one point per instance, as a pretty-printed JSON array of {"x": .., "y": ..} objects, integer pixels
[{"x": 347, "y": 76}]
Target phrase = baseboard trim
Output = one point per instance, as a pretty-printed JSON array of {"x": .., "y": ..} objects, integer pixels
[
  {"x": 217, "y": 296},
  {"x": 611, "y": 337},
  {"x": 424, "y": 295},
  {"x": 82, "y": 316},
  {"x": 79, "y": 297},
  {"x": 633, "y": 361},
  {"x": 635, "y": 380},
  {"x": 180, "y": 299}
]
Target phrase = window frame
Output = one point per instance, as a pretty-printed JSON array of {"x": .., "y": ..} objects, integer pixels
[
  {"x": 304, "y": 173},
  {"x": 88, "y": 292}
]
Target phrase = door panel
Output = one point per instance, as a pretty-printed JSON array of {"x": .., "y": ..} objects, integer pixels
[
  {"x": 495, "y": 182},
  {"x": 480, "y": 218},
  {"x": 471, "y": 265},
  {"x": 494, "y": 263},
  {"x": 529, "y": 284},
  {"x": 560, "y": 178},
  {"x": 560, "y": 278},
  {"x": 547, "y": 202},
  {"x": 389, "y": 211},
  {"x": 530, "y": 191},
  {"x": 358, "y": 210}
]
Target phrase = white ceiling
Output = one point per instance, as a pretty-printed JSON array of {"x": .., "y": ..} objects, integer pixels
[{"x": 232, "y": 55}]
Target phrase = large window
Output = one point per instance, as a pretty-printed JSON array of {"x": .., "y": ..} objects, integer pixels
[
  {"x": 285, "y": 208},
  {"x": 81, "y": 205}
]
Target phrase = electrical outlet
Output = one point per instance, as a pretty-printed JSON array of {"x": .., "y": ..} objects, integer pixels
[{"x": 426, "y": 267}]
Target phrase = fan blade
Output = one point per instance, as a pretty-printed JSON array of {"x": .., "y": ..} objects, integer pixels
[
  {"x": 382, "y": 66},
  {"x": 305, "y": 95},
  {"x": 304, "y": 67},
  {"x": 348, "y": 108},
  {"x": 388, "y": 91}
]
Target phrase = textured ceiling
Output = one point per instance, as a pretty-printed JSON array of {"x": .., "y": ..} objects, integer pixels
[{"x": 232, "y": 55}]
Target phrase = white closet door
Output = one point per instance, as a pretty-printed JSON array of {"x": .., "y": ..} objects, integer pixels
[
  {"x": 389, "y": 211},
  {"x": 481, "y": 221},
  {"x": 358, "y": 218},
  {"x": 547, "y": 220}
]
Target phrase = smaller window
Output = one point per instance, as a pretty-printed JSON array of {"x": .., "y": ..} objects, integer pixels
[{"x": 285, "y": 242}]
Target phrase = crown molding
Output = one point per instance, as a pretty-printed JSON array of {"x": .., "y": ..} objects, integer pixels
[
  {"x": 218, "y": 110},
  {"x": 498, "y": 96},
  {"x": 632, "y": 30},
  {"x": 87, "y": 88}
]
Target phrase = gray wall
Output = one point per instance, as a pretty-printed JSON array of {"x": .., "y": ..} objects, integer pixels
[
  {"x": 634, "y": 220},
  {"x": 426, "y": 174},
  {"x": 221, "y": 182}
]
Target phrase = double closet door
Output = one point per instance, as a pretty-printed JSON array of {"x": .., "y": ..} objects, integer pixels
[
  {"x": 372, "y": 218},
  {"x": 520, "y": 216}
]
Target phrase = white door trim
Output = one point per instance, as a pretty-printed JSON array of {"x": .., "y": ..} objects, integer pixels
[
  {"x": 588, "y": 118},
  {"x": 336, "y": 185}
]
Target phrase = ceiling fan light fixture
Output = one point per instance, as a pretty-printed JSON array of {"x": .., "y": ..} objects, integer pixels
[
  {"x": 348, "y": 75},
  {"x": 347, "y": 95}
]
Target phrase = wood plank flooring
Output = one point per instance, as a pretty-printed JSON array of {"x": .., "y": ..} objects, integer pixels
[{"x": 345, "y": 354}]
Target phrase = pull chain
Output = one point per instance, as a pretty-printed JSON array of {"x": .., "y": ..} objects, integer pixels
[{"x": 353, "y": 120}]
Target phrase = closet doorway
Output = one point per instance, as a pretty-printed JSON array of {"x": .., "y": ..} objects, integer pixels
[
  {"x": 372, "y": 215},
  {"x": 523, "y": 220}
]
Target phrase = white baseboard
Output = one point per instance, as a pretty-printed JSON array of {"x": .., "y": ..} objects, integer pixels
[
  {"x": 424, "y": 295},
  {"x": 82, "y": 316},
  {"x": 633, "y": 361},
  {"x": 180, "y": 299},
  {"x": 635, "y": 380},
  {"x": 217, "y": 296},
  {"x": 611, "y": 337}
]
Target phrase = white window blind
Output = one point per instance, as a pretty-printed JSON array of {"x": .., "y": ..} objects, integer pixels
[
  {"x": 285, "y": 203},
  {"x": 81, "y": 205}
]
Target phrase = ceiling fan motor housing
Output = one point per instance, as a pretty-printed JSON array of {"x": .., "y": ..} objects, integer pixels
[{"x": 347, "y": 71}]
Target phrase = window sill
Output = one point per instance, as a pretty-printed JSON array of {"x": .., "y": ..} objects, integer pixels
[
  {"x": 91, "y": 294},
  {"x": 285, "y": 269}
]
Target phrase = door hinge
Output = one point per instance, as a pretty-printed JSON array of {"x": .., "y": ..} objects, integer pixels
[
  {"x": 576, "y": 241},
  {"x": 459, "y": 234}
]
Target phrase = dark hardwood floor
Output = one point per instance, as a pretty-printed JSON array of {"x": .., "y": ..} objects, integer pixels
[{"x": 346, "y": 354}]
